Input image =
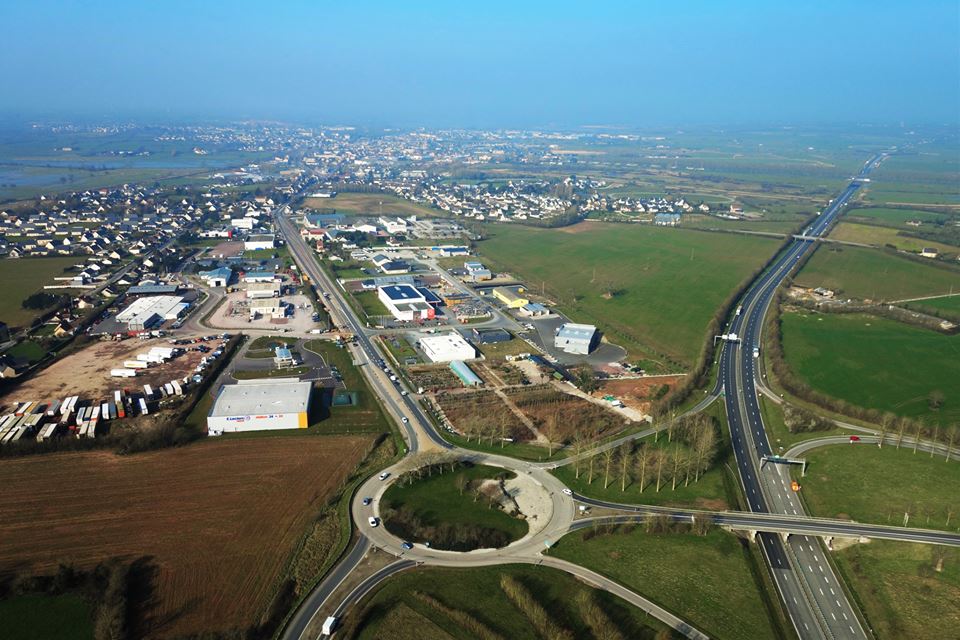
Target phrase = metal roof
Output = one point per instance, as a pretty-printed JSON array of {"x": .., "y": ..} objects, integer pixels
[
  {"x": 248, "y": 397},
  {"x": 402, "y": 292},
  {"x": 573, "y": 331}
]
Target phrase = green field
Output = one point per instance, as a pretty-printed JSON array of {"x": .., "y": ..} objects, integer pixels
[
  {"x": 897, "y": 217},
  {"x": 874, "y": 274},
  {"x": 667, "y": 283},
  {"x": 370, "y": 303},
  {"x": 883, "y": 236},
  {"x": 870, "y": 484},
  {"x": 369, "y": 204},
  {"x": 392, "y": 608},
  {"x": 705, "y": 580},
  {"x": 950, "y": 304},
  {"x": 436, "y": 500},
  {"x": 875, "y": 363},
  {"x": 31, "y": 617},
  {"x": 899, "y": 591},
  {"x": 24, "y": 277}
]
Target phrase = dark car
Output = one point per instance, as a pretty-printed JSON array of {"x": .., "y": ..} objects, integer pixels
[
  {"x": 367, "y": 501},
  {"x": 406, "y": 545}
]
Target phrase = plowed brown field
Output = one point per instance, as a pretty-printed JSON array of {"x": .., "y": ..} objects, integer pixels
[{"x": 217, "y": 520}]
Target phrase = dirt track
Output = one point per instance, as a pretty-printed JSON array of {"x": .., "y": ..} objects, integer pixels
[{"x": 217, "y": 521}]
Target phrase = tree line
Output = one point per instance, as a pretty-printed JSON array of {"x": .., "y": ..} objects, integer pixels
[{"x": 691, "y": 448}]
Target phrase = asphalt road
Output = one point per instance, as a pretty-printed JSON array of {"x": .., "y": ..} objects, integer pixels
[{"x": 815, "y": 599}]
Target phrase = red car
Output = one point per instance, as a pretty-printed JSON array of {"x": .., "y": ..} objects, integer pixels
[{"x": 854, "y": 439}]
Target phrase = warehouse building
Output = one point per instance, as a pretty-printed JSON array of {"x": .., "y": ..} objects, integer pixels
[
  {"x": 263, "y": 290},
  {"x": 491, "y": 336},
  {"x": 476, "y": 271},
  {"x": 259, "y": 276},
  {"x": 255, "y": 242},
  {"x": 405, "y": 302},
  {"x": 217, "y": 277},
  {"x": 260, "y": 405},
  {"x": 263, "y": 307},
  {"x": 575, "y": 338},
  {"x": 447, "y": 347},
  {"x": 510, "y": 297},
  {"x": 151, "y": 311}
]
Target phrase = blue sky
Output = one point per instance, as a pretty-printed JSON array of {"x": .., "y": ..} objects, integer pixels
[{"x": 494, "y": 64}]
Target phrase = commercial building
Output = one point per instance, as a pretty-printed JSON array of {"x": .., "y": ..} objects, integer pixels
[
  {"x": 259, "y": 276},
  {"x": 272, "y": 307},
  {"x": 283, "y": 357},
  {"x": 491, "y": 336},
  {"x": 256, "y": 290},
  {"x": 405, "y": 302},
  {"x": 259, "y": 405},
  {"x": 575, "y": 338},
  {"x": 447, "y": 347},
  {"x": 255, "y": 242},
  {"x": 510, "y": 297},
  {"x": 217, "y": 277},
  {"x": 465, "y": 373},
  {"x": 242, "y": 223},
  {"x": 534, "y": 310},
  {"x": 151, "y": 311},
  {"x": 477, "y": 272}
]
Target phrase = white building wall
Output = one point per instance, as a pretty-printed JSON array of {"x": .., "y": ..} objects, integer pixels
[{"x": 259, "y": 422}]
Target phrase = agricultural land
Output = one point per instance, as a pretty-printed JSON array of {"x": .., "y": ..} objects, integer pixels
[{"x": 22, "y": 278}]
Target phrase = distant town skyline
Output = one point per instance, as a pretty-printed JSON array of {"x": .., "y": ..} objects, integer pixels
[{"x": 498, "y": 65}]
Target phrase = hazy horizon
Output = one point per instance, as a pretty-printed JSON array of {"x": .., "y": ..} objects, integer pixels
[{"x": 500, "y": 66}]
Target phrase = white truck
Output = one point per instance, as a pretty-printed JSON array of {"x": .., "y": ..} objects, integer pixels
[{"x": 329, "y": 626}]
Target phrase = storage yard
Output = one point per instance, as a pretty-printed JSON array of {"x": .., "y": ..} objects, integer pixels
[
  {"x": 213, "y": 522},
  {"x": 108, "y": 380}
]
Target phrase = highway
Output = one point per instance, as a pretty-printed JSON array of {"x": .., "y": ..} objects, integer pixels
[
  {"x": 815, "y": 600},
  {"x": 787, "y": 525}
]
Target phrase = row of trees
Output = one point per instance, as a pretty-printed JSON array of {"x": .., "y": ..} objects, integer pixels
[
  {"x": 918, "y": 317},
  {"x": 692, "y": 445}
]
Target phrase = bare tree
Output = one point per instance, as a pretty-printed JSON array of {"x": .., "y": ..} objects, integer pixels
[
  {"x": 607, "y": 461},
  {"x": 660, "y": 457},
  {"x": 885, "y": 423},
  {"x": 461, "y": 481},
  {"x": 916, "y": 438},
  {"x": 643, "y": 456},
  {"x": 951, "y": 438},
  {"x": 901, "y": 428},
  {"x": 936, "y": 438},
  {"x": 677, "y": 455},
  {"x": 625, "y": 451},
  {"x": 577, "y": 450}
]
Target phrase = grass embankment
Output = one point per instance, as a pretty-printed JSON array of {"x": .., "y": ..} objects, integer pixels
[
  {"x": 666, "y": 284},
  {"x": 21, "y": 278},
  {"x": 876, "y": 363},
  {"x": 449, "y": 510},
  {"x": 880, "y": 485},
  {"x": 706, "y": 580},
  {"x": 899, "y": 590},
  {"x": 874, "y": 274},
  {"x": 264, "y": 346},
  {"x": 29, "y": 617},
  {"x": 470, "y": 603},
  {"x": 364, "y": 415}
]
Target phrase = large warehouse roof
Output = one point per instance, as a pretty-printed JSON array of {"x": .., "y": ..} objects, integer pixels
[
  {"x": 402, "y": 293},
  {"x": 248, "y": 397},
  {"x": 573, "y": 331},
  {"x": 167, "y": 307}
]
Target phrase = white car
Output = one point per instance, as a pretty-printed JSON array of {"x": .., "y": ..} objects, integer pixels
[
  {"x": 404, "y": 419},
  {"x": 373, "y": 521},
  {"x": 384, "y": 475},
  {"x": 567, "y": 492}
]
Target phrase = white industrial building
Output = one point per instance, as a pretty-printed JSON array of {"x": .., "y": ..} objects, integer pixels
[
  {"x": 263, "y": 290},
  {"x": 405, "y": 302},
  {"x": 259, "y": 405},
  {"x": 253, "y": 243},
  {"x": 151, "y": 311},
  {"x": 263, "y": 307},
  {"x": 447, "y": 347},
  {"x": 575, "y": 338},
  {"x": 242, "y": 223}
]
